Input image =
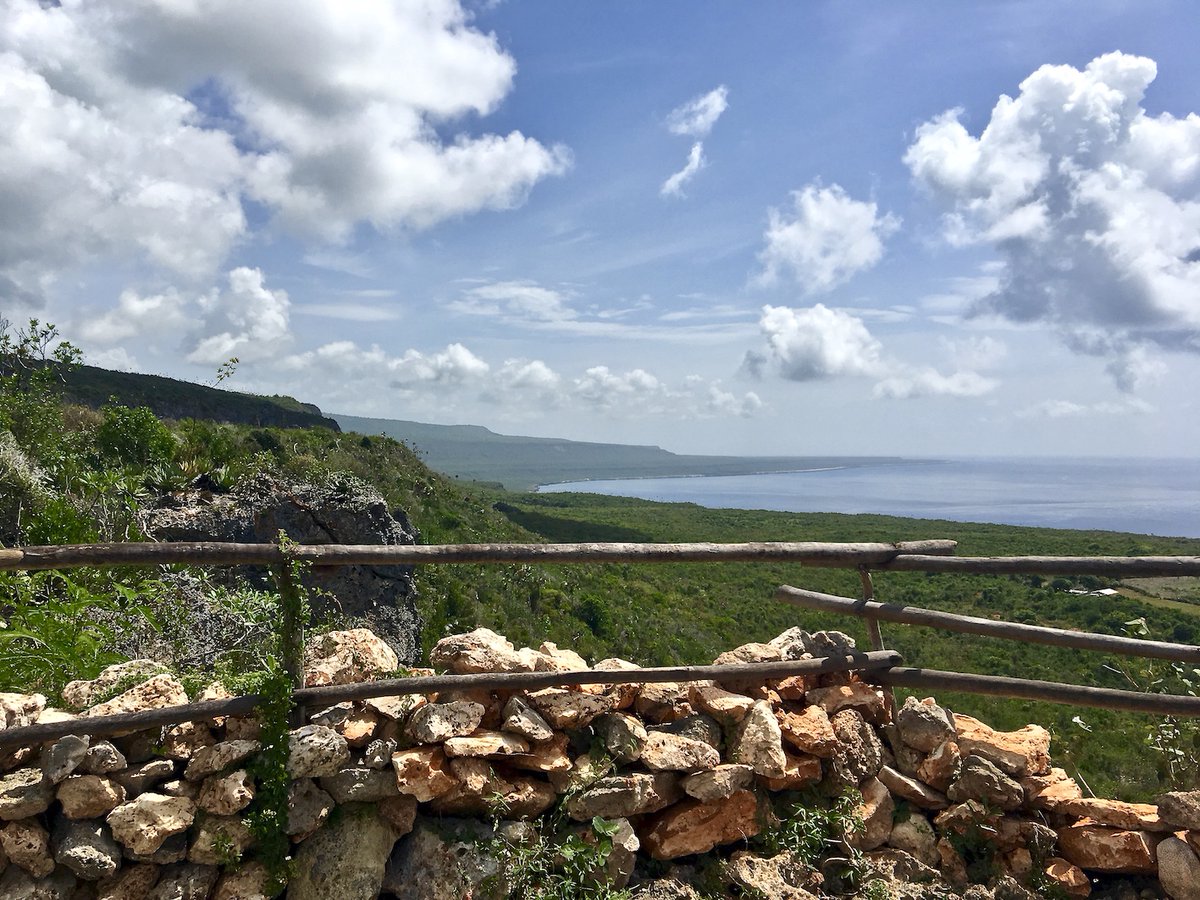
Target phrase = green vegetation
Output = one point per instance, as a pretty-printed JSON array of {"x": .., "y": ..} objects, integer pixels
[{"x": 71, "y": 474}]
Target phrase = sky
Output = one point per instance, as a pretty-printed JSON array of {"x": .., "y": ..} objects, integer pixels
[{"x": 920, "y": 228}]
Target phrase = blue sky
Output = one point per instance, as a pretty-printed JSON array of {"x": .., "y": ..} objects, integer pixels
[{"x": 919, "y": 228}]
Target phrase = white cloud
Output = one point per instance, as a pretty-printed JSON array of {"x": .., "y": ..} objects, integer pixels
[
  {"x": 164, "y": 314},
  {"x": 349, "y": 312},
  {"x": 697, "y": 117},
  {"x": 133, "y": 132},
  {"x": 1093, "y": 204},
  {"x": 976, "y": 352},
  {"x": 673, "y": 186},
  {"x": 927, "y": 382},
  {"x": 1068, "y": 409},
  {"x": 818, "y": 342},
  {"x": 515, "y": 301},
  {"x": 827, "y": 240},
  {"x": 248, "y": 321},
  {"x": 639, "y": 394}
]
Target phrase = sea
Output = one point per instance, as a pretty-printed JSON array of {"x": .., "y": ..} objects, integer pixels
[{"x": 1143, "y": 496}]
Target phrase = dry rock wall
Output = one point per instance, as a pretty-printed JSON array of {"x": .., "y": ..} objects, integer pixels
[{"x": 666, "y": 790}]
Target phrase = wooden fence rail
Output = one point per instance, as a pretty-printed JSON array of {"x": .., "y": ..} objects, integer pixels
[
  {"x": 1033, "y": 634},
  {"x": 213, "y": 553},
  {"x": 328, "y": 695}
]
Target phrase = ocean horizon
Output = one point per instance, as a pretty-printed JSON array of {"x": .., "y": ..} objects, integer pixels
[{"x": 1137, "y": 495}]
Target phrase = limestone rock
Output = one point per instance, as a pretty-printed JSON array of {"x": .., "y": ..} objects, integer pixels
[
  {"x": 250, "y": 881},
  {"x": 80, "y": 695},
  {"x": 699, "y": 727},
  {"x": 571, "y": 709},
  {"x": 482, "y": 791},
  {"x": 1178, "y": 869},
  {"x": 981, "y": 780},
  {"x": 219, "y": 841},
  {"x": 625, "y": 694},
  {"x": 720, "y": 703},
  {"x": 796, "y": 643},
  {"x": 664, "y": 752},
  {"x": 182, "y": 741},
  {"x": 19, "y": 710},
  {"x": 360, "y": 784},
  {"x": 1181, "y": 809},
  {"x": 622, "y": 796},
  {"x": 400, "y": 812},
  {"x": 860, "y": 754},
  {"x": 780, "y": 877},
  {"x": 24, "y": 793},
  {"x": 941, "y": 767},
  {"x": 223, "y": 795},
  {"x": 397, "y": 708},
  {"x": 1101, "y": 849},
  {"x": 102, "y": 758},
  {"x": 558, "y": 659},
  {"x": 915, "y": 836},
  {"x": 809, "y": 730},
  {"x": 27, "y": 844},
  {"x": 664, "y": 701},
  {"x": 623, "y": 736},
  {"x": 87, "y": 849},
  {"x": 345, "y": 859},
  {"x": 89, "y": 796},
  {"x": 435, "y": 722},
  {"x": 1116, "y": 814},
  {"x": 693, "y": 826},
  {"x": 315, "y": 750},
  {"x": 718, "y": 783},
  {"x": 481, "y": 650},
  {"x": 218, "y": 757},
  {"x": 308, "y": 808},
  {"x": 923, "y": 725},
  {"x": 155, "y": 693},
  {"x": 440, "y": 860},
  {"x": 137, "y": 779},
  {"x": 347, "y": 657},
  {"x": 17, "y": 884},
  {"x": 485, "y": 743},
  {"x": 1070, "y": 878},
  {"x": 799, "y": 771},
  {"x": 145, "y": 822},
  {"x": 64, "y": 756},
  {"x": 132, "y": 882},
  {"x": 186, "y": 881},
  {"x": 547, "y": 757},
  {"x": 862, "y": 698},
  {"x": 1018, "y": 753},
  {"x": 423, "y": 772},
  {"x": 915, "y": 792},
  {"x": 905, "y": 759},
  {"x": 758, "y": 742},
  {"x": 173, "y": 850},
  {"x": 520, "y": 718},
  {"x": 875, "y": 811}
]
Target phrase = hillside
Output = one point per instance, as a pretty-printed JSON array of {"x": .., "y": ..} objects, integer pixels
[
  {"x": 170, "y": 398},
  {"x": 521, "y": 463},
  {"x": 72, "y": 478}
]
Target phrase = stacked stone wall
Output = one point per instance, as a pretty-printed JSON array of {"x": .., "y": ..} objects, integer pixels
[{"x": 396, "y": 796}]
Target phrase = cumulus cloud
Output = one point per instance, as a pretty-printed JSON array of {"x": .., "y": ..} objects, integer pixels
[
  {"x": 1093, "y": 205},
  {"x": 819, "y": 343},
  {"x": 135, "y": 132},
  {"x": 697, "y": 117},
  {"x": 826, "y": 239},
  {"x": 247, "y": 320},
  {"x": 673, "y": 186}
]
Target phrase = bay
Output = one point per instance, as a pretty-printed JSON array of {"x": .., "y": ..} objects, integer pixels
[{"x": 1139, "y": 495}]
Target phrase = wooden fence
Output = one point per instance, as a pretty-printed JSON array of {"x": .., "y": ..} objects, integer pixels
[{"x": 879, "y": 666}]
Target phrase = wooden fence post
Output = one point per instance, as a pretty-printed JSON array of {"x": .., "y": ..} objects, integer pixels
[{"x": 875, "y": 633}]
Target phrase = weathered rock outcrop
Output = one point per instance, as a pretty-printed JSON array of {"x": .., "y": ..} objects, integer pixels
[{"x": 342, "y": 511}]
